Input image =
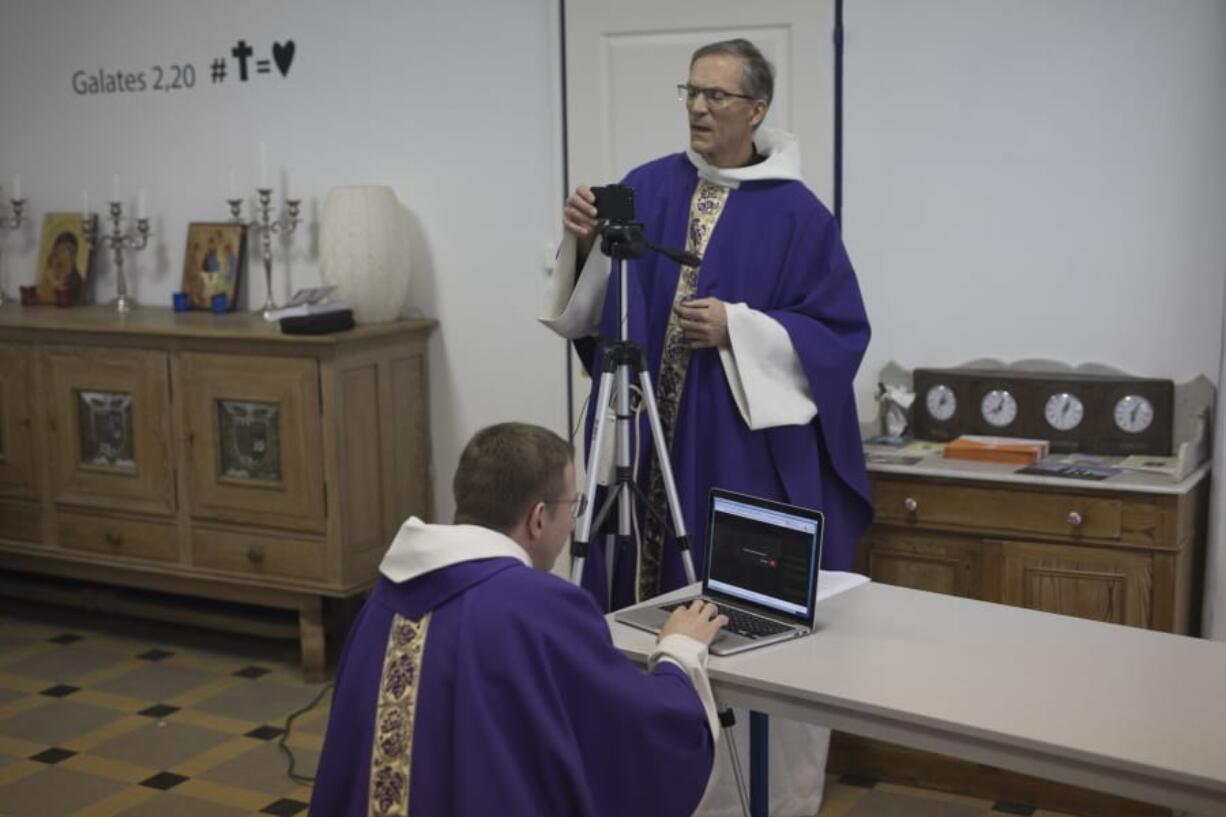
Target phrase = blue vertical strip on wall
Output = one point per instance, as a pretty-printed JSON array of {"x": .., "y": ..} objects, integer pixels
[
  {"x": 570, "y": 378},
  {"x": 838, "y": 112}
]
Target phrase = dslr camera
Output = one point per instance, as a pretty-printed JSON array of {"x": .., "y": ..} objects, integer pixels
[{"x": 614, "y": 203}]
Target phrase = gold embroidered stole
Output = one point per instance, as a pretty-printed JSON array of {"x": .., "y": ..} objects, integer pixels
[
  {"x": 705, "y": 209},
  {"x": 394, "y": 714}
]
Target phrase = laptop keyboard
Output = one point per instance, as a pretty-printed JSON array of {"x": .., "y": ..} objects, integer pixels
[{"x": 742, "y": 622}]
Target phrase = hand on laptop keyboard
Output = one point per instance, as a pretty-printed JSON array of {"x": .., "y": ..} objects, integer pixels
[{"x": 700, "y": 621}]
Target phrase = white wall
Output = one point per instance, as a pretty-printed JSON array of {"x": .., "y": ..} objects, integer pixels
[
  {"x": 455, "y": 105},
  {"x": 1038, "y": 178}
]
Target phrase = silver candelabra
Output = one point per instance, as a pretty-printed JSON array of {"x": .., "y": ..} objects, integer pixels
[
  {"x": 284, "y": 223},
  {"x": 118, "y": 241},
  {"x": 10, "y": 221}
]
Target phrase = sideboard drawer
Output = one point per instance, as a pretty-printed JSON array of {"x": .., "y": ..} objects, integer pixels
[
  {"x": 257, "y": 555},
  {"x": 130, "y": 538},
  {"x": 997, "y": 510},
  {"x": 21, "y": 520}
]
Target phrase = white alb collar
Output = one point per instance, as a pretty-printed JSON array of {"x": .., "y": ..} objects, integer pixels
[
  {"x": 420, "y": 548},
  {"x": 782, "y": 162}
]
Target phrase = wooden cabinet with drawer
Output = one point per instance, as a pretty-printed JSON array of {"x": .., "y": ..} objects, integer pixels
[
  {"x": 1127, "y": 551},
  {"x": 209, "y": 455}
]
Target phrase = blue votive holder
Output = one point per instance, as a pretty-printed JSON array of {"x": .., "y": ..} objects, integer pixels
[
  {"x": 180, "y": 302},
  {"x": 218, "y": 304}
]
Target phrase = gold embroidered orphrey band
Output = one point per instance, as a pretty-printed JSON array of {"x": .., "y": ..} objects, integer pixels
[
  {"x": 394, "y": 713},
  {"x": 705, "y": 209}
]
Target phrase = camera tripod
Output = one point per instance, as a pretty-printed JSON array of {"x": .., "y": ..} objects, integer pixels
[{"x": 623, "y": 360}]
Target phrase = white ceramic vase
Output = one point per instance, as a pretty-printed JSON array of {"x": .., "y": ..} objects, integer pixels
[{"x": 364, "y": 250}]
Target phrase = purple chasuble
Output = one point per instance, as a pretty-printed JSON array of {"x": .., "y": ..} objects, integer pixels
[
  {"x": 523, "y": 707},
  {"x": 777, "y": 250}
]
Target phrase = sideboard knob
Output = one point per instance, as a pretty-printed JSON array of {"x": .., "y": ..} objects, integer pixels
[
  {"x": 1075, "y": 519},
  {"x": 255, "y": 556},
  {"x": 910, "y": 505},
  {"x": 114, "y": 538}
]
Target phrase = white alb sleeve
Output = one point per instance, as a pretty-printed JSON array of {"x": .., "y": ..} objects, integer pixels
[
  {"x": 691, "y": 655},
  {"x": 764, "y": 372},
  {"x": 573, "y": 308}
]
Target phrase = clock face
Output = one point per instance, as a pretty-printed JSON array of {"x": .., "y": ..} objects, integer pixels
[
  {"x": 1133, "y": 413},
  {"x": 941, "y": 402},
  {"x": 1064, "y": 411},
  {"x": 998, "y": 408}
]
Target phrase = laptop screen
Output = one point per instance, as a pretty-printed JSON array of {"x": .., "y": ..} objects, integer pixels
[{"x": 764, "y": 553}]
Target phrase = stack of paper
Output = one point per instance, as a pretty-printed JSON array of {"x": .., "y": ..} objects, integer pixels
[{"x": 997, "y": 449}]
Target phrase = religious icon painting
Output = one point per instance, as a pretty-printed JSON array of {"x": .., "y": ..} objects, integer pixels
[
  {"x": 213, "y": 258},
  {"x": 250, "y": 435},
  {"x": 106, "y": 429},
  {"x": 64, "y": 259}
]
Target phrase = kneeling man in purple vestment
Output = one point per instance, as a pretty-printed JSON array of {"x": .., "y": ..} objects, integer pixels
[{"x": 475, "y": 682}]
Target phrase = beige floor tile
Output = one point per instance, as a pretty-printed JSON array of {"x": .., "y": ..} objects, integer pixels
[
  {"x": 265, "y": 770},
  {"x": 259, "y": 701},
  {"x": 837, "y": 799},
  {"x": 170, "y": 804},
  {"x": 55, "y": 792},
  {"x": 57, "y": 722},
  {"x": 157, "y": 682},
  {"x": 161, "y": 747},
  {"x": 65, "y": 664},
  {"x": 892, "y": 804}
]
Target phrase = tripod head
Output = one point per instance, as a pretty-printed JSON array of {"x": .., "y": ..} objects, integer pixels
[{"x": 620, "y": 235}]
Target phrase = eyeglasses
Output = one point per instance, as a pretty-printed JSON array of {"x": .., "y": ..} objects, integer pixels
[
  {"x": 714, "y": 96},
  {"x": 577, "y": 505}
]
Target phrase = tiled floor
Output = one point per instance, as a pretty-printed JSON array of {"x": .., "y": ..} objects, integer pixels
[{"x": 104, "y": 716}]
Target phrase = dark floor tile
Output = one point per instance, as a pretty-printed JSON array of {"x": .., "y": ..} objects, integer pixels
[
  {"x": 284, "y": 807},
  {"x": 53, "y": 755},
  {"x": 857, "y": 780},
  {"x": 252, "y": 672},
  {"x": 155, "y": 655},
  {"x": 265, "y": 732},
  {"x": 1006, "y": 807},
  {"x": 59, "y": 691},
  {"x": 66, "y": 638},
  {"x": 163, "y": 781},
  {"x": 158, "y": 711}
]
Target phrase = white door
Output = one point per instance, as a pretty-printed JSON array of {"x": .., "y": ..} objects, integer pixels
[{"x": 624, "y": 60}]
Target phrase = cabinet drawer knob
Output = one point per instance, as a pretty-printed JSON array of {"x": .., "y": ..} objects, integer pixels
[
  {"x": 910, "y": 505},
  {"x": 113, "y": 538},
  {"x": 255, "y": 556},
  {"x": 1075, "y": 519}
]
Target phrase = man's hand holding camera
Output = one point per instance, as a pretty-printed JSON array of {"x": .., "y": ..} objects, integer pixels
[{"x": 579, "y": 219}]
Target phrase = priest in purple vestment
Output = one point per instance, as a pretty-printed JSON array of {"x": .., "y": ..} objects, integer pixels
[
  {"x": 752, "y": 354},
  {"x": 473, "y": 684}
]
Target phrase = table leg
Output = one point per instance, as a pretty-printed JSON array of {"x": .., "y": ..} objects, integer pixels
[{"x": 759, "y": 764}]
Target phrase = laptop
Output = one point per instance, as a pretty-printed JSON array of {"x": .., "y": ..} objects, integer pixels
[{"x": 761, "y": 571}]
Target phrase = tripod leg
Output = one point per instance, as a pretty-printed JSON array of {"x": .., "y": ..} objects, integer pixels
[
  {"x": 666, "y": 471},
  {"x": 583, "y": 532}
]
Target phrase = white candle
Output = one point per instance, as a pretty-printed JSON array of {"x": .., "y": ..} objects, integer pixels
[
  {"x": 140, "y": 203},
  {"x": 263, "y": 165},
  {"x": 115, "y": 187},
  {"x": 17, "y": 186},
  {"x": 233, "y": 188},
  {"x": 85, "y": 204}
]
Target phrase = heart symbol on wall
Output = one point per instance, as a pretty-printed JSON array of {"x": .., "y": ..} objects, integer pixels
[{"x": 283, "y": 55}]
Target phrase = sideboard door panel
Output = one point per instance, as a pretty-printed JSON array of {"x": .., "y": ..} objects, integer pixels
[
  {"x": 18, "y": 476},
  {"x": 108, "y": 418},
  {"x": 252, "y": 434},
  {"x": 1107, "y": 585}
]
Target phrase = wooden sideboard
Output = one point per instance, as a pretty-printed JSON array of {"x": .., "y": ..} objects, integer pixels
[
  {"x": 209, "y": 455},
  {"x": 1128, "y": 550}
]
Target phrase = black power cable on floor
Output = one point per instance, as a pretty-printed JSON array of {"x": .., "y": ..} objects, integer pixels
[{"x": 289, "y": 722}]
